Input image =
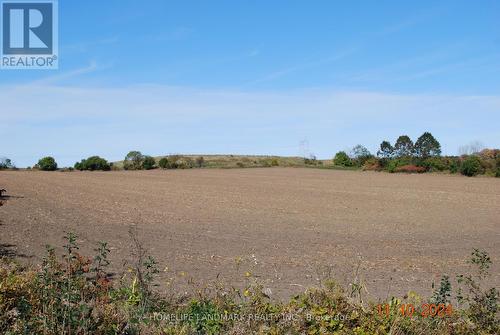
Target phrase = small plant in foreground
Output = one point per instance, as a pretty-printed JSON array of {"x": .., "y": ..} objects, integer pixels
[
  {"x": 74, "y": 295},
  {"x": 483, "y": 305}
]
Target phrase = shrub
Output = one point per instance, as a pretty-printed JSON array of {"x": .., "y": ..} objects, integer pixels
[
  {"x": 200, "y": 162},
  {"x": 497, "y": 172},
  {"x": 184, "y": 163},
  {"x": 93, "y": 163},
  {"x": 372, "y": 164},
  {"x": 433, "y": 164},
  {"x": 265, "y": 163},
  {"x": 240, "y": 164},
  {"x": 342, "y": 159},
  {"x": 47, "y": 164},
  {"x": 133, "y": 161},
  {"x": 471, "y": 166},
  {"x": 312, "y": 160},
  {"x": 164, "y": 163},
  {"x": 410, "y": 169},
  {"x": 148, "y": 163},
  {"x": 176, "y": 162},
  {"x": 454, "y": 166},
  {"x": 274, "y": 162},
  {"x": 395, "y": 163},
  {"x": 483, "y": 304}
]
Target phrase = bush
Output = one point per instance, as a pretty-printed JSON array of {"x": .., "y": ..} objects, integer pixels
[
  {"x": 471, "y": 166},
  {"x": 433, "y": 164},
  {"x": 312, "y": 160},
  {"x": 47, "y": 164},
  {"x": 497, "y": 172},
  {"x": 200, "y": 162},
  {"x": 372, "y": 164},
  {"x": 410, "y": 169},
  {"x": 148, "y": 163},
  {"x": 395, "y": 163},
  {"x": 133, "y": 161},
  {"x": 342, "y": 159},
  {"x": 454, "y": 166},
  {"x": 176, "y": 162},
  {"x": 93, "y": 163},
  {"x": 184, "y": 163},
  {"x": 164, "y": 163}
]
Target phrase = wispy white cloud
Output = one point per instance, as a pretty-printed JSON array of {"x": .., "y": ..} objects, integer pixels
[
  {"x": 304, "y": 66},
  {"x": 50, "y": 80},
  {"x": 408, "y": 22},
  {"x": 427, "y": 64},
  {"x": 85, "y": 46},
  {"x": 360, "y": 44}
]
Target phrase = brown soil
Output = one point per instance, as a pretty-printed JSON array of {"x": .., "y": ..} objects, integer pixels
[{"x": 290, "y": 226}]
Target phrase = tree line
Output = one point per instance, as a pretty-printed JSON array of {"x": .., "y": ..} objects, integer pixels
[{"x": 423, "y": 155}]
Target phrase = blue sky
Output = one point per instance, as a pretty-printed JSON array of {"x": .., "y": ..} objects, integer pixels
[{"x": 256, "y": 77}]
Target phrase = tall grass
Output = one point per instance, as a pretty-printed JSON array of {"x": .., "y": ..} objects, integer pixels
[{"x": 74, "y": 294}]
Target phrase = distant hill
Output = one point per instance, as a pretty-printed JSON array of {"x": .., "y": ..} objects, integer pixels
[{"x": 240, "y": 161}]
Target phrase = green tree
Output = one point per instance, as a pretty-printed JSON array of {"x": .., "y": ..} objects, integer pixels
[
  {"x": 133, "y": 160},
  {"x": 427, "y": 146},
  {"x": 47, "y": 164},
  {"x": 342, "y": 159},
  {"x": 360, "y": 154},
  {"x": 386, "y": 150},
  {"x": 148, "y": 163},
  {"x": 5, "y": 163},
  {"x": 404, "y": 146},
  {"x": 93, "y": 163}
]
